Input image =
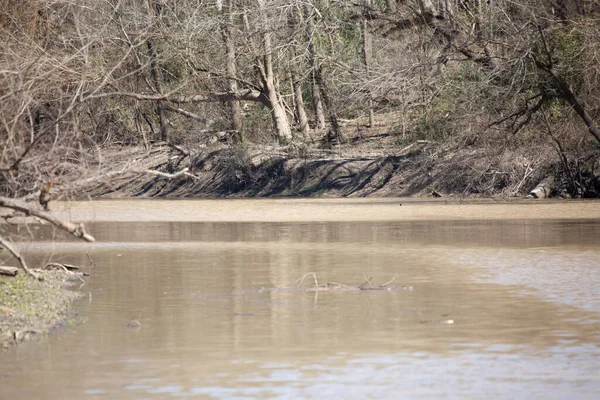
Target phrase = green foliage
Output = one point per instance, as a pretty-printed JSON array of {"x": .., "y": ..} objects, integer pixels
[
  {"x": 557, "y": 109},
  {"x": 564, "y": 43},
  {"x": 567, "y": 45},
  {"x": 567, "y": 53}
]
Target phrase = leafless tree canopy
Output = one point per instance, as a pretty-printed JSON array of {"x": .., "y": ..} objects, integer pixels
[{"x": 76, "y": 77}]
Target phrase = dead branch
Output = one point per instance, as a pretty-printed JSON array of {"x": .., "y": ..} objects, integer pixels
[
  {"x": 76, "y": 230},
  {"x": 527, "y": 111},
  {"x": 56, "y": 266},
  {"x": 108, "y": 176},
  {"x": 67, "y": 267},
  {"x": 528, "y": 171},
  {"x": 8, "y": 271},
  {"x": 184, "y": 152},
  {"x": 367, "y": 281},
  {"x": 92, "y": 263},
  {"x": 304, "y": 276},
  {"x": 189, "y": 114},
  {"x": 8, "y": 246},
  {"x": 340, "y": 286},
  {"x": 178, "y": 174},
  {"x": 19, "y": 335},
  {"x": 215, "y": 97},
  {"x": 388, "y": 282}
]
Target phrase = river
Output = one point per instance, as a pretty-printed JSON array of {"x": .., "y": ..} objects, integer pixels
[{"x": 489, "y": 300}]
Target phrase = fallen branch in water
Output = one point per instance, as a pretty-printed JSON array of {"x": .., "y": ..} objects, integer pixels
[{"x": 341, "y": 286}]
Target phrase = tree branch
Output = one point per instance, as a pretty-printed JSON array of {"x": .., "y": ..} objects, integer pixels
[
  {"x": 8, "y": 246},
  {"x": 189, "y": 114},
  {"x": 76, "y": 230},
  {"x": 178, "y": 174},
  {"x": 245, "y": 94},
  {"x": 566, "y": 91},
  {"x": 132, "y": 170}
]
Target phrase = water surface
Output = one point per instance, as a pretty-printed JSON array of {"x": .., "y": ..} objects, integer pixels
[{"x": 521, "y": 284}]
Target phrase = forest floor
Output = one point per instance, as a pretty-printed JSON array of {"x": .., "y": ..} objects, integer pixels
[{"x": 370, "y": 163}]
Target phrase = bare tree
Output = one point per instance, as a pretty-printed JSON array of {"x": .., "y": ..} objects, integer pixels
[
  {"x": 296, "y": 64},
  {"x": 154, "y": 10},
  {"x": 310, "y": 15},
  {"x": 367, "y": 54},
  {"x": 266, "y": 71},
  {"x": 226, "y": 8}
]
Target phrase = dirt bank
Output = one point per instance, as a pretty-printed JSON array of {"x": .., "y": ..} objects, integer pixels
[
  {"x": 29, "y": 307},
  {"x": 371, "y": 164}
]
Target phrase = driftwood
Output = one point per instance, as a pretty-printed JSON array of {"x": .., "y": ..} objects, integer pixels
[
  {"x": 340, "y": 286},
  {"x": 9, "y": 271},
  {"x": 543, "y": 190},
  {"x": 54, "y": 265},
  {"x": 68, "y": 268}
]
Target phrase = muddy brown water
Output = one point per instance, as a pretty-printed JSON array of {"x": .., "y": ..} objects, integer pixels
[{"x": 520, "y": 282}]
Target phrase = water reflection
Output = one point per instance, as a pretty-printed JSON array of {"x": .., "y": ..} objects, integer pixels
[
  {"x": 522, "y": 295},
  {"x": 511, "y": 233}
]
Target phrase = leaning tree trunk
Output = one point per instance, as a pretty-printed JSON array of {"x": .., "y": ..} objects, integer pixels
[{"x": 278, "y": 115}]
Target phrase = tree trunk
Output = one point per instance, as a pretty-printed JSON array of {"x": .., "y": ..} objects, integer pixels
[
  {"x": 278, "y": 115},
  {"x": 227, "y": 30},
  {"x": 316, "y": 92},
  {"x": 577, "y": 104},
  {"x": 336, "y": 132},
  {"x": 161, "y": 111},
  {"x": 367, "y": 51},
  {"x": 299, "y": 108},
  {"x": 316, "y": 100},
  {"x": 280, "y": 121},
  {"x": 299, "y": 103},
  {"x": 566, "y": 91}
]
